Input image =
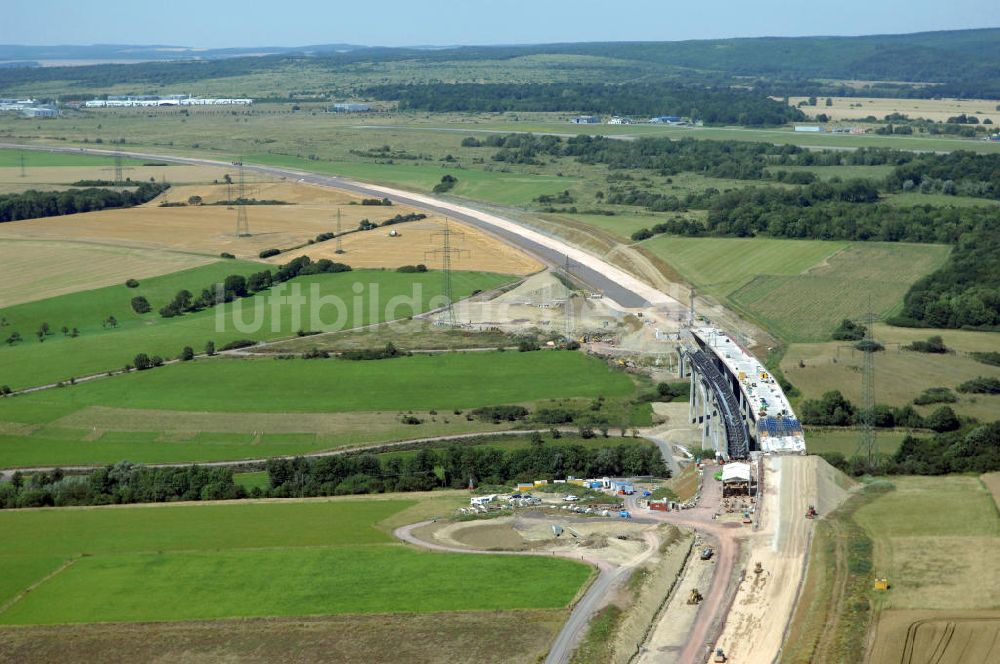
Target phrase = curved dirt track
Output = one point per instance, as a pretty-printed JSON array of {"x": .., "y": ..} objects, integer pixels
[{"x": 595, "y": 597}]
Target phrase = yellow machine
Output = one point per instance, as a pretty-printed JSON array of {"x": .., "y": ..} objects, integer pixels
[{"x": 881, "y": 584}]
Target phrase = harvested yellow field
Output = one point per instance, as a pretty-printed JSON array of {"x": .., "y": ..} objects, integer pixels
[
  {"x": 414, "y": 243},
  {"x": 207, "y": 229},
  {"x": 939, "y": 110},
  {"x": 34, "y": 270},
  {"x": 289, "y": 192},
  {"x": 938, "y": 637}
]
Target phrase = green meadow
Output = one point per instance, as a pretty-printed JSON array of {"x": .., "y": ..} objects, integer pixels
[
  {"x": 316, "y": 302},
  {"x": 196, "y": 562}
]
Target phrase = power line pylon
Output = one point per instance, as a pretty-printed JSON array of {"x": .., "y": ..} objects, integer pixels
[
  {"x": 445, "y": 252},
  {"x": 119, "y": 177},
  {"x": 340, "y": 243},
  {"x": 24, "y": 172},
  {"x": 242, "y": 223},
  {"x": 868, "y": 443}
]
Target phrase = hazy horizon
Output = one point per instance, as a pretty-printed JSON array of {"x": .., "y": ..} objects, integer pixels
[{"x": 434, "y": 23}]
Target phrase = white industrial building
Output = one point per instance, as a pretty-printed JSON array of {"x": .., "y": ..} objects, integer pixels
[
  {"x": 169, "y": 100},
  {"x": 350, "y": 107}
]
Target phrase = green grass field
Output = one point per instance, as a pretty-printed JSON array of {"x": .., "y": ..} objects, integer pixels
[
  {"x": 230, "y": 409},
  {"x": 254, "y": 479},
  {"x": 845, "y": 441},
  {"x": 800, "y": 289},
  {"x": 420, "y": 382},
  {"x": 197, "y": 562},
  {"x": 317, "y": 302},
  {"x": 32, "y": 158}
]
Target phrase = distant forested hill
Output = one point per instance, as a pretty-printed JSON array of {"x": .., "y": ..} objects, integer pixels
[{"x": 957, "y": 63}]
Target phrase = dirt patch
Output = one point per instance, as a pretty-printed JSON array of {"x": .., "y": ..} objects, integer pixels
[
  {"x": 765, "y": 601},
  {"x": 490, "y": 537},
  {"x": 938, "y": 637},
  {"x": 445, "y": 638}
]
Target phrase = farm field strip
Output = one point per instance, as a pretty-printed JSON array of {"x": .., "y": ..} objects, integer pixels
[
  {"x": 309, "y": 302},
  {"x": 800, "y": 289},
  {"x": 314, "y": 557}
]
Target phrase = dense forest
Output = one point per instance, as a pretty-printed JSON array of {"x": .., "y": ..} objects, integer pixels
[
  {"x": 33, "y": 204},
  {"x": 713, "y": 106}
]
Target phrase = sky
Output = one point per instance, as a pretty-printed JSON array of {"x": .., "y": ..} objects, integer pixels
[{"x": 219, "y": 24}]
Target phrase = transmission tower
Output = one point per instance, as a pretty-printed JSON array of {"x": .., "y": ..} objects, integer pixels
[
  {"x": 445, "y": 252},
  {"x": 242, "y": 224},
  {"x": 24, "y": 172},
  {"x": 868, "y": 444},
  {"x": 569, "y": 314},
  {"x": 119, "y": 177},
  {"x": 691, "y": 308},
  {"x": 340, "y": 243}
]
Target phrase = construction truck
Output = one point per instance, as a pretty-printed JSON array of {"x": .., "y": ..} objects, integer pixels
[
  {"x": 695, "y": 597},
  {"x": 882, "y": 584},
  {"x": 811, "y": 512},
  {"x": 720, "y": 656}
]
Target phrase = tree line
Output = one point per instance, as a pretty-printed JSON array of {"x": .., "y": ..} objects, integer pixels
[
  {"x": 455, "y": 466},
  {"x": 971, "y": 450},
  {"x": 121, "y": 483},
  {"x": 34, "y": 204},
  {"x": 712, "y": 105}
]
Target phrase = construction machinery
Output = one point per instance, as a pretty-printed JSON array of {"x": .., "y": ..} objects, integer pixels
[
  {"x": 706, "y": 553},
  {"x": 882, "y": 584},
  {"x": 758, "y": 568},
  {"x": 695, "y": 597},
  {"x": 811, "y": 512},
  {"x": 720, "y": 656}
]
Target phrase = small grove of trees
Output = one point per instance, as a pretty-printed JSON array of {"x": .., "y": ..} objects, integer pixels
[
  {"x": 119, "y": 484},
  {"x": 412, "y": 268},
  {"x": 236, "y": 286},
  {"x": 833, "y": 409},
  {"x": 143, "y": 362},
  {"x": 33, "y": 204},
  {"x": 848, "y": 330}
]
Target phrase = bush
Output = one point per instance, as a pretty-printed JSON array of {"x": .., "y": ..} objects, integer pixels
[
  {"x": 554, "y": 415},
  {"x": 376, "y": 201},
  {"x": 239, "y": 343},
  {"x": 142, "y": 362},
  {"x": 935, "y": 395},
  {"x": 385, "y": 353},
  {"x": 132, "y": 283},
  {"x": 210, "y": 348},
  {"x": 500, "y": 413},
  {"x": 933, "y": 344},
  {"x": 447, "y": 183},
  {"x": 869, "y": 346},
  {"x": 848, "y": 330},
  {"x": 267, "y": 253},
  {"x": 412, "y": 268},
  {"x": 187, "y": 354},
  {"x": 140, "y": 305},
  {"x": 981, "y": 385},
  {"x": 315, "y": 354},
  {"x": 943, "y": 419},
  {"x": 992, "y": 358},
  {"x": 226, "y": 254}
]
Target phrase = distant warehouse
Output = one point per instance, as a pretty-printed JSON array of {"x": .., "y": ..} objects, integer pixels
[
  {"x": 349, "y": 107},
  {"x": 586, "y": 119},
  {"x": 40, "y": 112},
  {"x": 169, "y": 100},
  {"x": 808, "y": 129}
]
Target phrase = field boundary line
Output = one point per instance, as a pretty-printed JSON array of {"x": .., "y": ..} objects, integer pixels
[{"x": 24, "y": 593}]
